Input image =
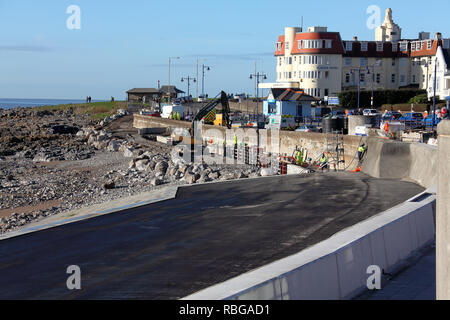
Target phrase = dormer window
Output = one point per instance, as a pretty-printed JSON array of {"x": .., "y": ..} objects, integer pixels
[
  {"x": 364, "y": 46},
  {"x": 380, "y": 46},
  {"x": 349, "y": 46}
]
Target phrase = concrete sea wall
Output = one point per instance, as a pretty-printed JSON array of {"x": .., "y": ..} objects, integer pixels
[
  {"x": 399, "y": 160},
  {"x": 282, "y": 142}
]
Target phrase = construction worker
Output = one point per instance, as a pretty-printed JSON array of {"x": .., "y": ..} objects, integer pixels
[
  {"x": 298, "y": 158},
  {"x": 323, "y": 162},
  {"x": 361, "y": 152}
]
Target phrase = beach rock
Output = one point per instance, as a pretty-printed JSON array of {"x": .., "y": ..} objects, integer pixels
[
  {"x": 142, "y": 165},
  {"x": 156, "y": 182},
  {"x": 128, "y": 152},
  {"x": 109, "y": 185},
  {"x": 191, "y": 177},
  {"x": 113, "y": 146},
  {"x": 162, "y": 167}
]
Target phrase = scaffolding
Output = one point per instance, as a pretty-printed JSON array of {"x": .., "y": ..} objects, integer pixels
[{"x": 335, "y": 150}]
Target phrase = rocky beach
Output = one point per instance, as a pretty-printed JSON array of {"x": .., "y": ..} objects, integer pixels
[{"x": 55, "y": 161}]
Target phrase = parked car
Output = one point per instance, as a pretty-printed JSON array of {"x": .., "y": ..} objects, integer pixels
[
  {"x": 392, "y": 115},
  {"x": 413, "y": 120},
  {"x": 428, "y": 122},
  {"x": 308, "y": 128},
  {"x": 371, "y": 112}
]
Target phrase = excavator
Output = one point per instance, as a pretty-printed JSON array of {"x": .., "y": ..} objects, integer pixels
[
  {"x": 210, "y": 106},
  {"x": 222, "y": 99}
]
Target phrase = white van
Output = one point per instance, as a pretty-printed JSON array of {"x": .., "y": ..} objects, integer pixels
[{"x": 168, "y": 109}]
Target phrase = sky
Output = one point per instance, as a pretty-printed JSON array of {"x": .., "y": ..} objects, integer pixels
[{"x": 121, "y": 45}]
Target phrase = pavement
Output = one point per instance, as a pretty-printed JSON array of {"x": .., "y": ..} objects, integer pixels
[
  {"x": 206, "y": 235},
  {"x": 416, "y": 282}
]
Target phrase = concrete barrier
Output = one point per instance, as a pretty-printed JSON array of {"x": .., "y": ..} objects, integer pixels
[
  {"x": 401, "y": 160},
  {"x": 337, "y": 267}
]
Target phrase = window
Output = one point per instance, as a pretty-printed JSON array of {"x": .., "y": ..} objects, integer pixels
[
  {"x": 378, "y": 78},
  {"x": 394, "y": 47},
  {"x": 445, "y": 43},
  {"x": 393, "y": 78},
  {"x": 380, "y": 46},
  {"x": 403, "y": 46},
  {"x": 363, "y": 77},
  {"x": 393, "y": 62},
  {"x": 327, "y": 73},
  {"x": 430, "y": 44},
  {"x": 328, "y": 44},
  {"x": 281, "y": 61},
  {"x": 363, "y": 62},
  {"x": 295, "y": 74},
  {"x": 290, "y": 60},
  {"x": 299, "y": 44},
  {"x": 347, "y": 78},
  {"x": 402, "y": 78},
  {"x": 326, "y": 92},
  {"x": 272, "y": 108},
  {"x": 287, "y": 45},
  {"x": 364, "y": 46},
  {"x": 279, "y": 46},
  {"x": 348, "y": 61},
  {"x": 379, "y": 62},
  {"x": 414, "y": 79},
  {"x": 349, "y": 46},
  {"x": 413, "y": 46}
]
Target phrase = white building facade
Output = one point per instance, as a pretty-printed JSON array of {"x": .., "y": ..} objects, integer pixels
[{"x": 322, "y": 64}]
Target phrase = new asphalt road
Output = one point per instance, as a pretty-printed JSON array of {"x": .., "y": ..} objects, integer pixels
[{"x": 208, "y": 234}]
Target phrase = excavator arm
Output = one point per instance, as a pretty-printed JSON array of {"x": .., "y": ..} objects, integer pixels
[{"x": 203, "y": 112}]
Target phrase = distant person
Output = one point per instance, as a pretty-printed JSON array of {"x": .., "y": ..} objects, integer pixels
[
  {"x": 112, "y": 99},
  {"x": 90, "y": 99},
  {"x": 361, "y": 152},
  {"x": 323, "y": 162},
  {"x": 87, "y": 99}
]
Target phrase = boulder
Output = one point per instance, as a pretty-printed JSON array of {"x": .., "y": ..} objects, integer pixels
[
  {"x": 128, "y": 152},
  {"x": 109, "y": 185},
  {"x": 156, "y": 182},
  {"x": 162, "y": 167},
  {"x": 113, "y": 146},
  {"x": 142, "y": 165},
  {"x": 191, "y": 177}
]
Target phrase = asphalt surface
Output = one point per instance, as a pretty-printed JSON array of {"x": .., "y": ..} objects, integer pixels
[{"x": 208, "y": 234}]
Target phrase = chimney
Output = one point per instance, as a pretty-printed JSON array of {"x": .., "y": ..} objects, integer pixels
[
  {"x": 355, "y": 38},
  {"x": 438, "y": 36}
]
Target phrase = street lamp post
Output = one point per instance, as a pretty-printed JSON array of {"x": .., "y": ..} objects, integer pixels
[
  {"x": 257, "y": 77},
  {"x": 204, "y": 68},
  {"x": 168, "y": 87},
  {"x": 188, "y": 79},
  {"x": 434, "y": 95},
  {"x": 353, "y": 72}
]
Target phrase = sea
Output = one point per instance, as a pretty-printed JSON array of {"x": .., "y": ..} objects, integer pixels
[{"x": 28, "y": 103}]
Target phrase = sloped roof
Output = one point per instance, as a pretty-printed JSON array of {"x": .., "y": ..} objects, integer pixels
[
  {"x": 291, "y": 95},
  {"x": 173, "y": 89},
  {"x": 144, "y": 90}
]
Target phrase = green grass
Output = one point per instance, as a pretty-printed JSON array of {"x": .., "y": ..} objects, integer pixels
[{"x": 97, "y": 110}]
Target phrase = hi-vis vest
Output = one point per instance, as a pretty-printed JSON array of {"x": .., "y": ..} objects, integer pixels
[
  {"x": 323, "y": 159},
  {"x": 361, "y": 149}
]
